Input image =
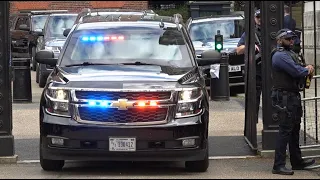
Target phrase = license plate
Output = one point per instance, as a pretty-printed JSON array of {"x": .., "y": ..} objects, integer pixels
[
  {"x": 122, "y": 144},
  {"x": 234, "y": 68}
]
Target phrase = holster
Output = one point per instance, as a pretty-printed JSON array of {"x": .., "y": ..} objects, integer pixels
[{"x": 280, "y": 112}]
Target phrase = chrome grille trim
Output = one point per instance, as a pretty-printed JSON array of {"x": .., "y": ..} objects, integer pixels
[
  {"x": 76, "y": 117},
  {"x": 167, "y": 103}
]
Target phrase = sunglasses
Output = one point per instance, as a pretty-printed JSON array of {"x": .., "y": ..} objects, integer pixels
[
  {"x": 258, "y": 17},
  {"x": 288, "y": 39}
]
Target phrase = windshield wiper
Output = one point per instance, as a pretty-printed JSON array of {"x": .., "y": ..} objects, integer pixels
[
  {"x": 87, "y": 64},
  {"x": 137, "y": 63}
]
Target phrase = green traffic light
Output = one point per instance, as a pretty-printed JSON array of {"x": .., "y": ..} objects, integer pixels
[{"x": 219, "y": 46}]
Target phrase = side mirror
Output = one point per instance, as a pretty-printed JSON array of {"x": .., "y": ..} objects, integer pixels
[
  {"x": 46, "y": 57},
  {"x": 66, "y": 32},
  {"x": 24, "y": 27},
  {"x": 209, "y": 57}
]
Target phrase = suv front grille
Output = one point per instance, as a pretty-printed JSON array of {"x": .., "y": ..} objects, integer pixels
[
  {"x": 133, "y": 115},
  {"x": 102, "y": 95}
]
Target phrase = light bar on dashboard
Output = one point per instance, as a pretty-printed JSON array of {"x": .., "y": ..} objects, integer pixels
[{"x": 101, "y": 38}]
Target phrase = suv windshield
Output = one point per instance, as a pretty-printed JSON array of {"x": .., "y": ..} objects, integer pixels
[
  {"x": 205, "y": 31},
  {"x": 38, "y": 21},
  {"x": 57, "y": 24},
  {"x": 128, "y": 44}
]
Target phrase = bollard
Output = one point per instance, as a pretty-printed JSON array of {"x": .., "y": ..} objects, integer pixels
[
  {"x": 22, "y": 80},
  {"x": 219, "y": 86}
]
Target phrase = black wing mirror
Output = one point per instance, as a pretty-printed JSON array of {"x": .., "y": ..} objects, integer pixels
[
  {"x": 66, "y": 32},
  {"x": 46, "y": 57},
  {"x": 209, "y": 57}
]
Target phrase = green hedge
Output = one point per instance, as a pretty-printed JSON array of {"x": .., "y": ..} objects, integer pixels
[{"x": 183, "y": 10}]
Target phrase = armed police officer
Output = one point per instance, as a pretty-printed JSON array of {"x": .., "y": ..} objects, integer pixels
[
  {"x": 241, "y": 49},
  {"x": 288, "y": 80}
]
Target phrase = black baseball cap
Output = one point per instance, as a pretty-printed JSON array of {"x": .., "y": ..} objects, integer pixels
[{"x": 257, "y": 13}]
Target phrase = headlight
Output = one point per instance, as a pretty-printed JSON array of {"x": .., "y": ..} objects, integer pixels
[
  {"x": 48, "y": 48},
  {"x": 52, "y": 48},
  {"x": 189, "y": 103},
  {"x": 188, "y": 95},
  {"x": 58, "y": 101}
]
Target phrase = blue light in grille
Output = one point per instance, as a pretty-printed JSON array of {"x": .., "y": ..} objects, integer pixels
[{"x": 94, "y": 103}]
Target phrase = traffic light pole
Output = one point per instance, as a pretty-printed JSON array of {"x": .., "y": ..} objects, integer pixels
[{"x": 7, "y": 153}]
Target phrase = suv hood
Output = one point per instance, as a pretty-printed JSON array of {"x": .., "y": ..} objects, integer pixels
[
  {"x": 229, "y": 45},
  {"x": 117, "y": 76}
]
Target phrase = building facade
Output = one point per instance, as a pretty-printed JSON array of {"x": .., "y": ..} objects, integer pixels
[{"x": 75, "y": 6}]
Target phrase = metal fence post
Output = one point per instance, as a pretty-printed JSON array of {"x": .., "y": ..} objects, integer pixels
[{"x": 6, "y": 137}]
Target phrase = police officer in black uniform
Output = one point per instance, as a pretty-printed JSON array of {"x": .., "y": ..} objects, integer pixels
[
  {"x": 288, "y": 76},
  {"x": 241, "y": 48}
]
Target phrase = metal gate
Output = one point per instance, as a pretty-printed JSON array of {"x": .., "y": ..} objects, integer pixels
[{"x": 310, "y": 127}]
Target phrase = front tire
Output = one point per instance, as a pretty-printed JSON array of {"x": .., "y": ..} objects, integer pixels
[
  {"x": 33, "y": 57},
  {"x": 37, "y": 73},
  {"x": 50, "y": 165},
  {"x": 198, "y": 166},
  {"x": 42, "y": 79}
]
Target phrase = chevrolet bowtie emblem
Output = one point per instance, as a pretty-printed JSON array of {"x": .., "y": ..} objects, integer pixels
[{"x": 122, "y": 104}]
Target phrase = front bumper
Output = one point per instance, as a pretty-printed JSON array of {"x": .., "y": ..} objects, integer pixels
[{"x": 153, "y": 143}]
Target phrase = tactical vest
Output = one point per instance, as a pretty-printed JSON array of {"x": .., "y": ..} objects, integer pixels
[{"x": 284, "y": 81}]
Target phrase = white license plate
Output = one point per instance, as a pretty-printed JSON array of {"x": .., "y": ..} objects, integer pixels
[
  {"x": 122, "y": 144},
  {"x": 234, "y": 68}
]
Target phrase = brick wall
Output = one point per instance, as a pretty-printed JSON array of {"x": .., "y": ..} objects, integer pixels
[{"x": 75, "y": 6}]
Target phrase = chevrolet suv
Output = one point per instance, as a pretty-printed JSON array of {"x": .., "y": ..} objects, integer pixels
[
  {"x": 126, "y": 89},
  {"x": 202, "y": 32}
]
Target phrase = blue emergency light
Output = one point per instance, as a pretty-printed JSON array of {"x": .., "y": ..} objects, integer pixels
[
  {"x": 94, "y": 103},
  {"x": 100, "y": 38}
]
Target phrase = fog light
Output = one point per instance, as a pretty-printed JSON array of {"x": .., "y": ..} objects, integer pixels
[
  {"x": 188, "y": 142},
  {"x": 57, "y": 141}
]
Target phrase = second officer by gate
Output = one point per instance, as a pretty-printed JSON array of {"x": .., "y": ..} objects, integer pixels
[{"x": 288, "y": 80}]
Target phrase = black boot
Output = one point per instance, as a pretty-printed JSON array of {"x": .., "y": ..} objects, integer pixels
[
  {"x": 305, "y": 163},
  {"x": 282, "y": 171}
]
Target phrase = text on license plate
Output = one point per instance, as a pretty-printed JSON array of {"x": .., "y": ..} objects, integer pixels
[
  {"x": 122, "y": 144},
  {"x": 234, "y": 68}
]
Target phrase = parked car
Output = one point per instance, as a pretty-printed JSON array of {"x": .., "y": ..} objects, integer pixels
[
  {"x": 53, "y": 39},
  {"x": 202, "y": 32},
  {"x": 25, "y": 28}
]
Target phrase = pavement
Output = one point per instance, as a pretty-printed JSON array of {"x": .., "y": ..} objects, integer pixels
[{"x": 230, "y": 156}]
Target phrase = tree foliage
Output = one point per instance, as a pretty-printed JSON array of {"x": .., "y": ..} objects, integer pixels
[{"x": 181, "y": 9}]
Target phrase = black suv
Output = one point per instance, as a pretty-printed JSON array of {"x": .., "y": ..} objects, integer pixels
[
  {"x": 25, "y": 28},
  {"x": 202, "y": 31},
  {"x": 126, "y": 89},
  {"x": 53, "y": 39}
]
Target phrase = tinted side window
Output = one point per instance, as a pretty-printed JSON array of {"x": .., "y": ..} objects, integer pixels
[{"x": 22, "y": 20}]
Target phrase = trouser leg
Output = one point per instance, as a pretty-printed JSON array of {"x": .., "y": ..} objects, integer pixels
[
  {"x": 281, "y": 147},
  {"x": 294, "y": 146}
]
